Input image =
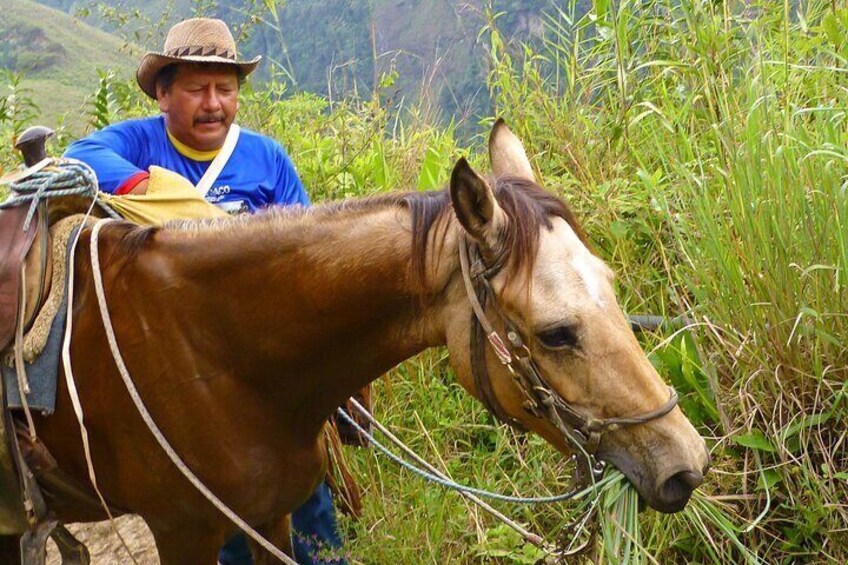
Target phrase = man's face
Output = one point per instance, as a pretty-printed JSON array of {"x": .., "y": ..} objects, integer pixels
[{"x": 200, "y": 105}]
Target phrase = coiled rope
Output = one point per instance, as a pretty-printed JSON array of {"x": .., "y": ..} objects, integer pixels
[{"x": 61, "y": 177}]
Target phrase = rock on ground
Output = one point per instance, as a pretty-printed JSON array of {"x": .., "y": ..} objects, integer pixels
[{"x": 105, "y": 545}]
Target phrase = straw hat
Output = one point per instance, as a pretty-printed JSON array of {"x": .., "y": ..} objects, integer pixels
[{"x": 198, "y": 40}]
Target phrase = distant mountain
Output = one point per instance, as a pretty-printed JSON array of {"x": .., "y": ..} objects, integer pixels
[
  {"x": 347, "y": 47},
  {"x": 59, "y": 56}
]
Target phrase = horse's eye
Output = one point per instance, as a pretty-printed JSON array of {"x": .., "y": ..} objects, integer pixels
[{"x": 560, "y": 337}]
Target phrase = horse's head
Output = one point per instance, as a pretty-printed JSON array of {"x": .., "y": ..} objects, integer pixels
[{"x": 551, "y": 301}]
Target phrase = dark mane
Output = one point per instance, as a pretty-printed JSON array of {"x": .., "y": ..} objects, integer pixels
[{"x": 528, "y": 207}]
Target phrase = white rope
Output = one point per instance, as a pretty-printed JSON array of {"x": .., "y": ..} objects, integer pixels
[
  {"x": 139, "y": 404},
  {"x": 453, "y": 485},
  {"x": 439, "y": 478},
  {"x": 20, "y": 368},
  {"x": 61, "y": 177},
  {"x": 72, "y": 387}
]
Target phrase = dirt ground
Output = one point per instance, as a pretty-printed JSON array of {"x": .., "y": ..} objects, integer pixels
[{"x": 106, "y": 547}]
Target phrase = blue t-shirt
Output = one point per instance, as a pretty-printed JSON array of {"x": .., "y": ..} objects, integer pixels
[{"x": 258, "y": 173}]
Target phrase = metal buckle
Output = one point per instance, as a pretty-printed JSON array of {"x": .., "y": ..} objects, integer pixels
[
  {"x": 580, "y": 436},
  {"x": 598, "y": 468}
]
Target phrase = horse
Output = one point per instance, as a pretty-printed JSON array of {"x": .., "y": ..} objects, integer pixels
[{"x": 243, "y": 335}]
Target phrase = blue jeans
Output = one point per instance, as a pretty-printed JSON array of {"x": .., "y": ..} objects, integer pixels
[{"x": 314, "y": 533}]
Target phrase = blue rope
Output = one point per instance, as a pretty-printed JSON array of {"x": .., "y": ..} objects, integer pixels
[
  {"x": 463, "y": 488},
  {"x": 64, "y": 177}
]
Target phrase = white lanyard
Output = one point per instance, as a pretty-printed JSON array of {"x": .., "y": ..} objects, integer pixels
[{"x": 219, "y": 162}]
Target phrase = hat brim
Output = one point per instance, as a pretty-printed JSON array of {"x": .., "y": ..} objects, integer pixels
[{"x": 152, "y": 63}]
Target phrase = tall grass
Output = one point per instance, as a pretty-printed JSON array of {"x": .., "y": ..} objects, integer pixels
[{"x": 706, "y": 142}]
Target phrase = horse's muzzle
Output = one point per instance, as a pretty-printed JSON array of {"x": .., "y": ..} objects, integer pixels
[{"x": 674, "y": 492}]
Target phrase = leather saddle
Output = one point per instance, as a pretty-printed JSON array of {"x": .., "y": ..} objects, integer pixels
[
  {"x": 14, "y": 248},
  {"x": 25, "y": 271},
  {"x": 24, "y": 252}
]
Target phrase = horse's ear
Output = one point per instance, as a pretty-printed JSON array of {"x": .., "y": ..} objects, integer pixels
[
  {"x": 475, "y": 205},
  {"x": 507, "y": 155}
]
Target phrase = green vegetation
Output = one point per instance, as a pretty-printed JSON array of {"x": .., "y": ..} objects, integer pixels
[
  {"x": 705, "y": 146},
  {"x": 58, "y": 57}
]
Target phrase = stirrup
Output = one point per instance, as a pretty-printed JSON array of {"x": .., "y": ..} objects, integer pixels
[
  {"x": 72, "y": 550},
  {"x": 34, "y": 542}
]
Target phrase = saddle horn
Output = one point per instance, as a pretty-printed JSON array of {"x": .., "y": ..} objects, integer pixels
[{"x": 33, "y": 144}]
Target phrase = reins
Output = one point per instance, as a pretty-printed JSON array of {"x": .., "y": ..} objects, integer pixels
[
  {"x": 540, "y": 399},
  {"x": 142, "y": 409}
]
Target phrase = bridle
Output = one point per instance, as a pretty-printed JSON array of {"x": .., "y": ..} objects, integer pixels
[{"x": 540, "y": 399}]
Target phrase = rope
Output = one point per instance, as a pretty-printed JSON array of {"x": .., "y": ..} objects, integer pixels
[
  {"x": 452, "y": 485},
  {"x": 527, "y": 535},
  {"x": 64, "y": 177},
  {"x": 154, "y": 429},
  {"x": 72, "y": 386},
  {"x": 20, "y": 368}
]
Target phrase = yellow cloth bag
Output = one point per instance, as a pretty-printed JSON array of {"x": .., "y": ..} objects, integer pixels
[{"x": 170, "y": 196}]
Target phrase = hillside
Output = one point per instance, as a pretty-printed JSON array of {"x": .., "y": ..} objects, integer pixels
[
  {"x": 331, "y": 47},
  {"x": 59, "y": 57}
]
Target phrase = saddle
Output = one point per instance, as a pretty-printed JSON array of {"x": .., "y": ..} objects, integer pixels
[
  {"x": 19, "y": 250},
  {"x": 26, "y": 271},
  {"x": 17, "y": 244}
]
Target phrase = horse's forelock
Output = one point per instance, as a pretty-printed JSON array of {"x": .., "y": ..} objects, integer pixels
[{"x": 528, "y": 207}]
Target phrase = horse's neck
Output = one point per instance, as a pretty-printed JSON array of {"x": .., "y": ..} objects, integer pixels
[{"x": 316, "y": 309}]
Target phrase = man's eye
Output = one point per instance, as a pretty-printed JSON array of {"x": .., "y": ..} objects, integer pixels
[{"x": 560, "y": 337}]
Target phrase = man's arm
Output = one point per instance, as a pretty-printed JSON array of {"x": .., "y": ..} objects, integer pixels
[
  {"x": 139, "y": 188},
  {"x": 114, "y": 154},
  {"x": 289, "y": 190}
]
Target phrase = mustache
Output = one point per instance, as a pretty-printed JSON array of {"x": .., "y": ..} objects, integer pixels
[{"x": 209, "y": 118}]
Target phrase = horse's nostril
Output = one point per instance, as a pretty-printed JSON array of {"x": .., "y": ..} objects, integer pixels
[{"x": 675, "y": 491}]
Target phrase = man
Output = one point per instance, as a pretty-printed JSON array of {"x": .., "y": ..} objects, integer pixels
[{"x": 195, "y": 81}]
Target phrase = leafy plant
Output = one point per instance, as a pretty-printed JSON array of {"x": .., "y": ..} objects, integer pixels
[
  {"x": 17, "y": 109},
  {"x": 103, "y": 104}
]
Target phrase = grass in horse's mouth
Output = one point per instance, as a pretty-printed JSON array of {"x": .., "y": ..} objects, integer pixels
[{"x": 621, "y": 520}]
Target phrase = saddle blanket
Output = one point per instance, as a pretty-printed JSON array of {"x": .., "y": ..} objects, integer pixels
[{"x": 42, "y": 373}]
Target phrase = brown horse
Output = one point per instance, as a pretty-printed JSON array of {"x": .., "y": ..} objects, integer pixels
[{"x": 243, "y": 336}]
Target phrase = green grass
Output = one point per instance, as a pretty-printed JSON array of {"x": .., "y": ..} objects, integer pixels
[{"x": 704, "y": 146}]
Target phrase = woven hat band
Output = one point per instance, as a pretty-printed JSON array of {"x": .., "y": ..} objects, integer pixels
[{"x": 201, "y": 51}]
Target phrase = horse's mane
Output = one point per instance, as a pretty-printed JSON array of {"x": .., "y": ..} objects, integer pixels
[{"x": 528, "y": 207}]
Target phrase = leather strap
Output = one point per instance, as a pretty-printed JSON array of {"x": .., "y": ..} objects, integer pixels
[
  {"x": 482, "y": 382},
  {"x": 44, "y": 257}
]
